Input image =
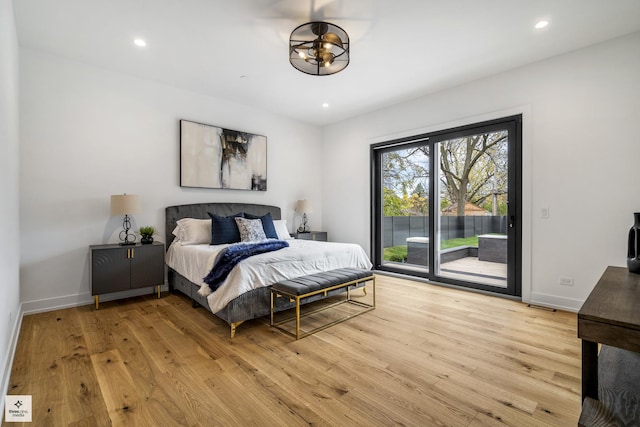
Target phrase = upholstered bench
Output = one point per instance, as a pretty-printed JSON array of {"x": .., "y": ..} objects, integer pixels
[{"x": 323, "y": 284}]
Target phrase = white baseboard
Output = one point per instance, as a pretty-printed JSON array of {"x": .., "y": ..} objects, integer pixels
[
  {"x": 9, "y": 356},
  {"x": 543, "y": 300},
  {"x": 553, "y": 301},
  {"x": 59, "y": 303}
]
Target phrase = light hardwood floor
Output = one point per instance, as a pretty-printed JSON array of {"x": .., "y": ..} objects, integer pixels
[{"x": 425, "y": 356}]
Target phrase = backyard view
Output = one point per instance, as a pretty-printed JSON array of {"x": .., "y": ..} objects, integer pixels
[
  {"x": 399, "y": 253},
  {"x": 470, "y": 210}
]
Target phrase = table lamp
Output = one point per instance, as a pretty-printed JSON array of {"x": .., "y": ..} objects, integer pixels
[
  {"x": 304, "y": 207},
  {"x": 125, "y": 204}
]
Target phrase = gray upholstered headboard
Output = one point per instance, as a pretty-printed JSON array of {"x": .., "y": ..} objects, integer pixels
[{"x": 201, "y": 211}]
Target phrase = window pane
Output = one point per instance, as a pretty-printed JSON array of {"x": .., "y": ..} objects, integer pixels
[
  {"x": 405, "y": 195},
  {"x": 472, "y": 221}
]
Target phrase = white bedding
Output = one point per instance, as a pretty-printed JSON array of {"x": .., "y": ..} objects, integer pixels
[{"x": 302, "y": 257}]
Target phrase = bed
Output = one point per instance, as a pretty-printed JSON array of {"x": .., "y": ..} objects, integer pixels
[{"x": 253, "y": 299}]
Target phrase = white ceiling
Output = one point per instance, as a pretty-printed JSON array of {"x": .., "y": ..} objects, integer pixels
[{"x": 238, "y": 49}]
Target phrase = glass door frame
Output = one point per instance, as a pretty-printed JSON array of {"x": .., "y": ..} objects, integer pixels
[{"x": 513, "y": 124}]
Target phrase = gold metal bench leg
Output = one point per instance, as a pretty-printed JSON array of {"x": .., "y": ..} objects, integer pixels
[{"x": 297, "y": 318}]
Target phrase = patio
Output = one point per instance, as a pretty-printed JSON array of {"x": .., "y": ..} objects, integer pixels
[
  {"x": 472, "y": 269},
  {"x": 484, "y": 263},
  {"x": 471, "y": 249},
  {"x": 468, "y": 269}
]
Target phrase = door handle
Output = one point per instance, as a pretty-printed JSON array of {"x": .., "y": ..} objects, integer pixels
[{"x": 512, "y": 219}]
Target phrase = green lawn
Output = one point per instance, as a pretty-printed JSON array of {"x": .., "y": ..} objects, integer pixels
[
  {"x": 466, "y": 241},
  {"x": 395, "y": 253},
  {"x": 399, "y": 253}
]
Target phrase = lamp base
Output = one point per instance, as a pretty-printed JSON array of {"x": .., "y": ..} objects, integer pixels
[
  {"x": 126, "y": 238},
  {"x": 303, "y": 226}
]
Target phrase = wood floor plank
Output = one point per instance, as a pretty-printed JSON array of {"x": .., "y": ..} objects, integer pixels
[
  {"x": 80, "y": 388},
  {"x": 123, "y": 403},
  {"x": 285, "y": 384},
  {"x": 145, "y": 375},
  {"x": 426, "y": 355}
]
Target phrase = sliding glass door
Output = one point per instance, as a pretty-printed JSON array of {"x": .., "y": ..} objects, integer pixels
[
  {"x": 405, "y": 187},
  {"x": 446, "y": 206}
]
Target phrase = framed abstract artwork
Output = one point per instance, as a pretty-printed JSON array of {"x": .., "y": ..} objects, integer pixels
[{"x": 213, "y": 157}]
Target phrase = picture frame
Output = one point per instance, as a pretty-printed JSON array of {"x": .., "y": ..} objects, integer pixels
[{"x": 215, "y": 157}]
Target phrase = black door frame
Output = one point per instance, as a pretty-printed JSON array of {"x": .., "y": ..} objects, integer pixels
[{"x": 514, "y": 250}]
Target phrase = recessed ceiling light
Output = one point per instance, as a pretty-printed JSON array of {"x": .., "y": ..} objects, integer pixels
[
  {"x": 140, "y": 42},
  {"x": 325, "y": 105},
  {"x": 541, "y": 24}
]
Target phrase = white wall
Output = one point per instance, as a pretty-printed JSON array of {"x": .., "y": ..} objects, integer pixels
[
  {"x": 87, "y": 133},
  {"x": 581, "y": 148},
  {"x": 9, "y": 158}
]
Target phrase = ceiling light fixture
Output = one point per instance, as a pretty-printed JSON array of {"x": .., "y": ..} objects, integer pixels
[
  {"x": 541, "y": 24},
  {"x": 140, "y": 42},
  {"x": 319, "y": 48}
]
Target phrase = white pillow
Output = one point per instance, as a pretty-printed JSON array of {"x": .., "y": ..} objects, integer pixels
[
  {"x": 176, "y": 232},
  {"x": 281, "y": 229},
  {"x": 191, "y": 231}
]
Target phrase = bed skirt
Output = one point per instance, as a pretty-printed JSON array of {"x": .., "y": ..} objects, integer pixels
[{"x": 250, "y": 305}]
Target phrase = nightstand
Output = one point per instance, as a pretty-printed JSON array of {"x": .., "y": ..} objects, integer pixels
[
  {"x": 115, "y": 268},
  {"x": 320, "y": 236}
]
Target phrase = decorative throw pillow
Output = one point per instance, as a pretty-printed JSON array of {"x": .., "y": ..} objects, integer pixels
[
  {"x": 267, "y": 224},
  {"x": 224, "y": 229},
  {"x": 250, "y": 229},
  {"x": 192, "y": 231},
  {"x": 281, "y": 229}
]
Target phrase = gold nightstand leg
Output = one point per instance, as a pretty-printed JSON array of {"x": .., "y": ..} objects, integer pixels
[
  {"x": 158, "y": 291},
  {"x": 96, "y": 298}
]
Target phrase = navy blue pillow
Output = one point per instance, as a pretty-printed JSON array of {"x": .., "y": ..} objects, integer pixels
[
  {"x": 224, "y": 229},
  {"x": 267, "y": 224}
]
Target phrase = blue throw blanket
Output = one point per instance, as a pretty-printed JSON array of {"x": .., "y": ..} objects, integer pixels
[{"x": 230, "y": 256}]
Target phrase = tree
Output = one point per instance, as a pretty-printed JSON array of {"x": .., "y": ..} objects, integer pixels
[
  {"x": 473, "y": 169},
  {"x": 393, "y": 204},
  {"x": 405, "y": 175},
  {"x": 405, "y": 170},
  {"x": 472, "y": 166},
  {"x": 416, "y": 204}
]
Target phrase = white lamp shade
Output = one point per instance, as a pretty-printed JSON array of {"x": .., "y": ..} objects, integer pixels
[
  {"x": 303, "y": 206},
  {"x": 125, "y": 204}
]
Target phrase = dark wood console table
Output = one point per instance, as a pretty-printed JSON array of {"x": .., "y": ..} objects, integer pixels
[{"x": 611, "y": 316}]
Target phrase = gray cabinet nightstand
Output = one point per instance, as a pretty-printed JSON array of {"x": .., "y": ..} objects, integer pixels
[
  {"x": 320, "y": 236},
  {"x": 115, "y": 268}
]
